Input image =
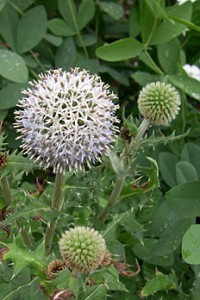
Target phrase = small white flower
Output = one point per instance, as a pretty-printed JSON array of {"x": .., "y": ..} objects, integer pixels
[
  {"x": 180, "y": 2},
  {"x": 66, "y": 118},
  {"x": 192, "y": 71}
]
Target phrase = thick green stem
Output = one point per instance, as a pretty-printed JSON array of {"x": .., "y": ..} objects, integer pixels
[
  {"x": 56, "y": 205},
  {"x": 119, "y": 184},
  {"x": 6, "y": 190}
]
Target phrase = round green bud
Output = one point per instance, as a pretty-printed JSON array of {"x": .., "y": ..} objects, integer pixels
[
  {"x": 159, "y": 103},
  {"x": 82, "y": 248}
]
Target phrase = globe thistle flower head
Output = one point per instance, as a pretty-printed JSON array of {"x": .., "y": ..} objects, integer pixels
[
  {"x": 159, "y": 103},
  {"x": 66, "y": 118},
  {"x": 82, "y": 248}
]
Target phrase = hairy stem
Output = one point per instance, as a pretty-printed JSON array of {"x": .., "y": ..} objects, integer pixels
[
  {"x": 56, "y": 205},
  {"x": 119, "y": 184}
]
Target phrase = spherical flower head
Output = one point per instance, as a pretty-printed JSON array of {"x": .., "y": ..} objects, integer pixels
[
  {"x": 67, "y": 118},
  {"x": 82, "y": 248},
  {"x": 159, "y": 103}
]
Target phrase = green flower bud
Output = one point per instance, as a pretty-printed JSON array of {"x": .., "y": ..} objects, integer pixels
[
  {"x": 159, "y": 103},
  {"x": 82, "y": 248}
]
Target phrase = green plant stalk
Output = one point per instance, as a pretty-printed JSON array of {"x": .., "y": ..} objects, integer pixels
[
  {"x": 56, "y": 205},
  {"x": 6, "y": 191},
  {"x": 119, "y": 184},
  {"x": 8, "y": 199}
]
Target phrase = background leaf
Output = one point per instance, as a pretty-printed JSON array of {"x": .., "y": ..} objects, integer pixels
[
  {"x": 12, "y": 66},
  {"x": 31, "y": 29},
  {"x": 191, "y": 245}
]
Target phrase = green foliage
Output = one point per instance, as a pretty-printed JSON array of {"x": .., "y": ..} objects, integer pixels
[{"x": 155, "y": 219}]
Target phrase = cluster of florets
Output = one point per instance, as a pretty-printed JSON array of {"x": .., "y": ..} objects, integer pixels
[{"x": 67, "y": 119}]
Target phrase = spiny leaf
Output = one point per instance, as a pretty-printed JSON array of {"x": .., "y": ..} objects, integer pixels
[
  {"x": 23, "y": 257},
  {"x": 152, "y": 141},
  {"x": 16, "y": 163}
]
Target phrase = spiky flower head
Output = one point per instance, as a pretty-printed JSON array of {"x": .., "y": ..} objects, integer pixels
[
  {"x": 82, "y": 248},
  {"x": 66, "y": 118},
  {"x": 159, "y": 103}
]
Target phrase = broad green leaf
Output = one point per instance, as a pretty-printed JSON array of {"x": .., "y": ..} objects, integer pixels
[
  {"x": 86, "y": 40},
  {"x": 3, "y": 114},
  {"x": 62, "y": 279},
  {"x": 54, "y": 40},
  {"x": 2, "y": 3},
  {"x": 163, "y": 218},
  {"x": 134, "y": 23},
  {"x": 23, "y": 257},
  {"x": 60, "y": 27},
  {"x": 67, "y": 9},
  {"x": 188, "y": 85},
  {"x": 22, "y": 4},
  {"x": 12, "y": 67},
  {"x": 85, "y": 13},
  {"x": 8, "y": 25},
  {"x": 89, "y": 64},
  {"x": 144, "y": 78},
  {"x": 160, "y": 282},
  {"x": 31, "y": 29},
  {"x": 184, "y": 199},
  {"x": 191, "y": 245},
  {"x": 190, "y": 154},
  {"x": 66, "y": 54},
  {"x": 114, "y": 10},
  {"x": 120, "y": 50},
  {"x": 185, "y": 172},
  {"x": 16, "y": 163},
  {"x": 147, "y": 21},
  {"x": 157, "y": 9},
  {"x": 147, "y": 60},
  {"x": 167, "y": 164},
  {"x": 169, "y": 29},
  {"x": 185, "y": 22},
  {"x": 145, "y": 252},
  {"x": 171, "y": 238},
  {"x": 10, "y": 95},
  {"x": 169, "y": 56}
]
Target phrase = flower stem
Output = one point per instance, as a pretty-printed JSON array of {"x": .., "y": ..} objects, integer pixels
[
  {"x": 56, "y": 205},
  {"x": 5, "y": 187},
  {"x": 6, "y": 190},
  {"x": 119, "y": 184}
]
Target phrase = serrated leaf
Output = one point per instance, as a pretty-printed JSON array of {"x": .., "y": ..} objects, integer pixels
[
  {"x": 152, "y": 141},
  {"x": 23, "y": 257},
  {"x": 28, "y": 212},
  {"x": 12, "y": 66},
  {"x": 160, "y": 282},
  {"x": 17, "y": 163}
]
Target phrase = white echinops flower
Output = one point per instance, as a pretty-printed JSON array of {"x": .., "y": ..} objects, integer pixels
[
  {"x": 159, "y": 103},
  {"x": 192, "y": 71},
  {"x": 66, "y": 118},
  {"x": 180, "y": 2}
]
